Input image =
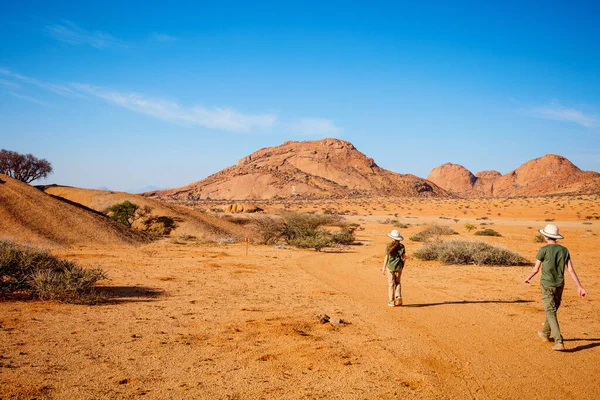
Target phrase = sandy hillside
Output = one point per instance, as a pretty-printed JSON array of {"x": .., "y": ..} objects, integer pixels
[
  {"x": 209, "y": 322},
  {"x": 188, "y": 221},
  {"x": 28, "y": 215},
  {"x": 328, "y": 168}
]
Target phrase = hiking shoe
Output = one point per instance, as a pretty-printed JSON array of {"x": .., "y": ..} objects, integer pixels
[
  {"x": 559, "y": 346},
  {"x": 543, "y": 336},
  {"x": 398, "y": 302},
  {"x": 391, "y": 304}
]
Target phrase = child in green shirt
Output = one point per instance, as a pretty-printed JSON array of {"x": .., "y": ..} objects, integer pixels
[
  {"x": 553, "y": 258},
  {"x": 395, "y": 255}
]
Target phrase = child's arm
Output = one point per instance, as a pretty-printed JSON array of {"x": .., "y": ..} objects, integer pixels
[
  {"x": 534, "y": 270},
  {"x": 580, "y": 290},
  {"x": 385, "y": 260}
]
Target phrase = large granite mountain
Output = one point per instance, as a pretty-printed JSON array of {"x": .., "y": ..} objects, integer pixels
[
  {"x": 328, "y": 168},
  {"x": 547, "y": 175}
]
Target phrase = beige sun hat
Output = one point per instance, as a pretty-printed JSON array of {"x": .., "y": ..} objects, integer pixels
[
  {"x": 395, "y": 234},
  {"x": 551, "y": 231}
]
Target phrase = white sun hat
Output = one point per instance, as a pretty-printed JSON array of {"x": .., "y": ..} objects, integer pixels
[
  {"x": 395, "y": 234},
  {"x": 551, "y": 231}
]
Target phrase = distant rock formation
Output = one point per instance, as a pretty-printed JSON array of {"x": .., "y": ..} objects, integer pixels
[
  {"x": 328, "y": 168},
  {"x": 550, "y": 174}
]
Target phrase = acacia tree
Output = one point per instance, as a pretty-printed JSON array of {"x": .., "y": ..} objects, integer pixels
[{"x": 24, "y": 167}]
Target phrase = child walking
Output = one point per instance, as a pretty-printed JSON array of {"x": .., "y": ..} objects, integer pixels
[
  {"x": 395, "y": 256},
  {"x": 553, "y": 258}
]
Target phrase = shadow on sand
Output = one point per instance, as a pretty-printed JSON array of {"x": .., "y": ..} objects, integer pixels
[
  {"x": 469, "y": 302},
  {"x": 128, "y": 294},
  {"x": 595, "y": 342}
]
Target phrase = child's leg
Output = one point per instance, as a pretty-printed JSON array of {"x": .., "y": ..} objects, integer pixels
[
  {"x": 398, "y": 293},
  {"x": 550, "y": 295},
  {"x": 391, "y": 286}
]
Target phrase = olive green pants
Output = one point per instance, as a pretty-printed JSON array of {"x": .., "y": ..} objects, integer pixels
[
  {"x": 551, "y": 298},
  {"x": 394, "y": 286}
]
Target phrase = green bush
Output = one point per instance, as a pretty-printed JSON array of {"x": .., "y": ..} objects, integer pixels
[
  {"x": 432, "y": 231},
  {"x": 40, "y": 275},
  {"x": 317, "y": 239},
  {"x": 539, "y": 238},
  {"x": 487, "y": 232},
  {"x": 343, "y": 236},
  {"x": 469, "y": 227},
  {"x": 468, "y": 252},
  {"x": 127, "y": 213}
]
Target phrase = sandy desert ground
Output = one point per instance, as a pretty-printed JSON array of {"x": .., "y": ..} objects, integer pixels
[{"x": 191, "y": 320}]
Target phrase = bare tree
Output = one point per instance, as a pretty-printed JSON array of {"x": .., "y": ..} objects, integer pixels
[{"x": 24, "y": 167}]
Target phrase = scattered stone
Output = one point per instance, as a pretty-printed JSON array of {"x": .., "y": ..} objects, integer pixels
[{"x": 323, "y": 318}]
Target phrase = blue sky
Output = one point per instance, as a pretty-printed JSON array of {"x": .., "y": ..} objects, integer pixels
[{"x": 129, "y": 94}]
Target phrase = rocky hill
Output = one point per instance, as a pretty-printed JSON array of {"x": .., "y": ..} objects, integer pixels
[
  {"x": 328, "y": 168},
  {"x": 547, "y": 175}
]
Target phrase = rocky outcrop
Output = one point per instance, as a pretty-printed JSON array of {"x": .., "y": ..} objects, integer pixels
[
  {"x": 328, "y": 168},
  {"x": 550, "y": 174}
]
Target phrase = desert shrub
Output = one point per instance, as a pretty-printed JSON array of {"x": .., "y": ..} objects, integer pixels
[
  {"x": 468, "y": 252},
  {"x": 269, "y": 228},
  {"x": 305, "y": 230},
  {"x": 539, "y": 238},
  {"x": 127, "y": 213},
  {"x": 303, "y": 224},
  {"x": 488, "y": 232},
  {"x": 162, "y": 225},
  {"x": 343, "y": 236},
  {"x": 317, "y": 239},
  {"x": 402, "y": 225},
  {"x": 431, "y": 231},
  {"x": 38, "y": 274},
  {"x": 469, "y": 227}
]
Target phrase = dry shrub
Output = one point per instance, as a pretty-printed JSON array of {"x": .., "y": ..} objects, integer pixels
[
  {"x": 36, "y": 273},
  {"x": 432, "y": 231},
  {"x": 269, "y": 228},
  {"x": 488, "y": 232},
  {"x": 161, "y": 225},
  {"x": 468, "y": 252},
  {"x": 305, "y": 230}
]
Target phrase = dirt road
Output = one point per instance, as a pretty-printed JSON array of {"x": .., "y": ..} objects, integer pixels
[{"x": 472, "y": 328}]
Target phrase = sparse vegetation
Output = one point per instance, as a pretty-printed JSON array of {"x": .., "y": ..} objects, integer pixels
[
  {"x": 159, "y": 225},
  {"x": 432, "y": 231},
  {"x": 488, "y": 232},
  {"x": 469, "y": 227},
  {"x": 305, "y": 230},
  {"x": 539, "y": 238},
  {"x": 468, "y": 252},
  {"x": 36, "y": 273},
  {"x": 127, "y": 213}
]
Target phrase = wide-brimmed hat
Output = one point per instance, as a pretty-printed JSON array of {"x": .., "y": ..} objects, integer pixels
[
  {"x": 395, "y": 234},
  {"x": 551, "y": 231}
]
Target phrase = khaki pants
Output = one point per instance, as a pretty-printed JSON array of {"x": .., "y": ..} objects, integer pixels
[
  {"x": 551, "y": 299},
  {"x": 394, "y": 286}
]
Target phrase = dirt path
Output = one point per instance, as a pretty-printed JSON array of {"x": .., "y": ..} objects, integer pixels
[{"x": 472, "y": 327}]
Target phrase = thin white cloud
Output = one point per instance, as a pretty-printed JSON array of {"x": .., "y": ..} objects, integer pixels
[
  {"x": 163, "y": 38},
  {"x": 556, "y": 112},
  {"x": 68, "y": 32},
  {"x": 58, "y": 89},
  {"x": 28, "y": 98},
  {"x": 9, "y": 84},
  {"x": 226, "y": 119},
  {"x": 315, "y": 127}
]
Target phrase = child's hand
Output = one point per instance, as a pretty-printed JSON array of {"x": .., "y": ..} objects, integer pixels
[{"x": 581, "y": 291}]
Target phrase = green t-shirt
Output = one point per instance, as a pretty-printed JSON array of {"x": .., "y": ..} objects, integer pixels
[
  {"x": 554, "y": 257},
  {"x": 395, "y": 262}
]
